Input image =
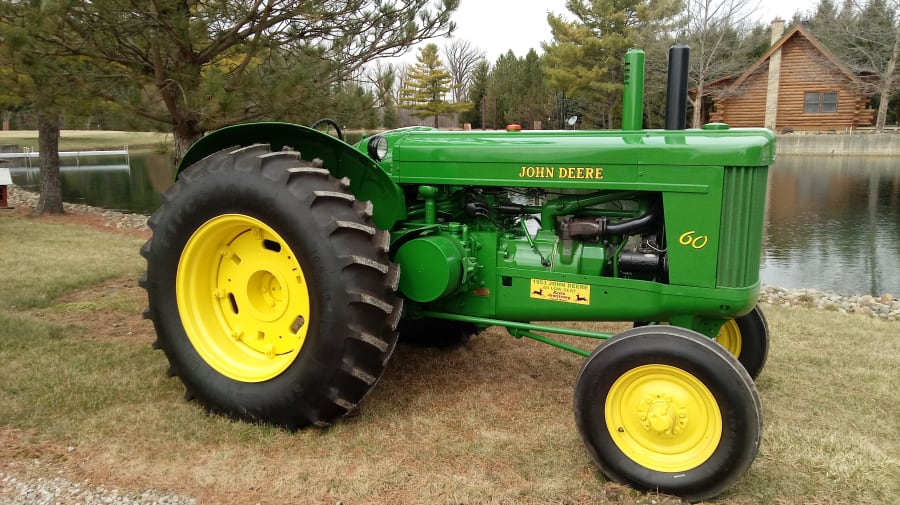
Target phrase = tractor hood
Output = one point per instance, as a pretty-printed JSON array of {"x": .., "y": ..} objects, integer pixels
[{"x": 561, "y": 158}]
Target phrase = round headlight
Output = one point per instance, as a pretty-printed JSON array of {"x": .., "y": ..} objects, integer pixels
[{"x": 378, "y": 147}]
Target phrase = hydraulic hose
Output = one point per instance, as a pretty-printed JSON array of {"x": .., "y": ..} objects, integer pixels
[{"x": 631, "y": 226}]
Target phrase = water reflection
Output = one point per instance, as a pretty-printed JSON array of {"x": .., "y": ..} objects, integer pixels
[
  {"x": 833, "y": 223},
  {"x": 104, "y": 182}
]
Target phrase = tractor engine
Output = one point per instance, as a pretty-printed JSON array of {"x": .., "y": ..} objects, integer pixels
[{"x": 465, "y": 232}]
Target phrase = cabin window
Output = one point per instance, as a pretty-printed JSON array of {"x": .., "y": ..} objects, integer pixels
[{"x": 820, "y": 102}]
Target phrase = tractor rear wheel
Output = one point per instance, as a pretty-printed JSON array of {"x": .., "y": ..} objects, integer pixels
[
  {"x": 665, "y": 408},
  {"x": 270, "y": 288}
]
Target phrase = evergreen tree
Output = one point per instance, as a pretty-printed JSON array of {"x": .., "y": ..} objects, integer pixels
[
  {"x": 354, "y": 106},
  {"x": 427, "y": 86},
  {"x": 477, "y": 95},
  {"x": 867, "y": 39},
  {"x": 197, "y": 66},
  {"x": 824, "y": 17},
  {"x": 518, "y": 86},
  {"x": 584, "y": 60},
  {"x": 384, "y": 78},
  {"x": 37, "y": 77},
  {"x": 504, "y": 87}
]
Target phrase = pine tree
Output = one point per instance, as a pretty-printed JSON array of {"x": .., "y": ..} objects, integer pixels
[
  {"x": 36, "y": 76},
  {"x": 384, "y": 78},
  {"x": 584, "y": 60},
  {"x": 428, "y": 83},
  {"x": 197, "y": 66},
  {"x": 477, "y": 93}
]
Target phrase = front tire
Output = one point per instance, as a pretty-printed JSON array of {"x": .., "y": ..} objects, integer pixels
[
  {"x": 665, "y": 408},
  {"x": 270, "y": 288}
]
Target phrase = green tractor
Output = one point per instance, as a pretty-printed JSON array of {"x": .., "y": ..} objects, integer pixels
[{"x": 284, "y": 260}]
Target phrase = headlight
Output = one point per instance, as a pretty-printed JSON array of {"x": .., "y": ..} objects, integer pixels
[{"x": 378, "y": 148}]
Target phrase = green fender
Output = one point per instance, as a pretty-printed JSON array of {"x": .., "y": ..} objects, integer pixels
[{"x": 367, "y": 180}]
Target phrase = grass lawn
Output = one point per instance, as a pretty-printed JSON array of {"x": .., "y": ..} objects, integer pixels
[{"x": 85, "y": 397}]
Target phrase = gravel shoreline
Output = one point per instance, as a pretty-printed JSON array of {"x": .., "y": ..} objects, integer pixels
[
  {"x": 18, "y": 197},
  {"x": 885, "y": 306},
  {"x": 56, "y": 490}
]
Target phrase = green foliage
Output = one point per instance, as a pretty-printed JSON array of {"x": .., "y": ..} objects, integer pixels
[
  {"x": 43, "y": 79},
  {"x": 584, "y": 60},
  {"x": 478, "y": 90},
  {"x": 384, "y": 78},
  {"x": 427, "y": 86},
  {"x": 354, "y": 106},
  {"x": 521, "y": 94},
  {"x": 865, "y": 36},
  {"x": 197, "y": 66}
]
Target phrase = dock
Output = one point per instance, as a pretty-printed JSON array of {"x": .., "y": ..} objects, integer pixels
[{"x": 29, "y": 153}]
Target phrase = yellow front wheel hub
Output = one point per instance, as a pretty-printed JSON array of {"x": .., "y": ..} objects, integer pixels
[
  {"x": 242, "y": 298},
  {"x": 663, "y": 418}
]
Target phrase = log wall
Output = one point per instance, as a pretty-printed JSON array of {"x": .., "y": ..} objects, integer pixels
[{"x": 804, "y": 69}]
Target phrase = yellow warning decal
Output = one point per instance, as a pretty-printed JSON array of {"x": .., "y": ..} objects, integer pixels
[{"x": 557, "y": 291}]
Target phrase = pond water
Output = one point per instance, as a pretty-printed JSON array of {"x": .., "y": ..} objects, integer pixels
[
  {"x": 832, "y": 223},
  {"x": 131, "y": 184}
]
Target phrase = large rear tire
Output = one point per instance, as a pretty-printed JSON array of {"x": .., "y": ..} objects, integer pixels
[
  {"x": 665, "y": 408},
  {"x": 270, "y": 288}
]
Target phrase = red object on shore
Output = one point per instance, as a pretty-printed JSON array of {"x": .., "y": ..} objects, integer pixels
[{"x": 5, "y": 180}]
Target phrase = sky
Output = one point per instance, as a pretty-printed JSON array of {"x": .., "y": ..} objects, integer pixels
[{"x": 496, "y": 26}]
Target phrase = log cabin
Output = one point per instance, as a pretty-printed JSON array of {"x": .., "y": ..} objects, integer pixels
[{"x": 797, "y": 85}]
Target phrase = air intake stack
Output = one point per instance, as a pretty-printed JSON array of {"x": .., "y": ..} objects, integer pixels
[{"x": 633, "y": 101}]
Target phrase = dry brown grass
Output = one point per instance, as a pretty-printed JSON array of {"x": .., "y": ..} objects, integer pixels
[{"x": 488, "y": 422}]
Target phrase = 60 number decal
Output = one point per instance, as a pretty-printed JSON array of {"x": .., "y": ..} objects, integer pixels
[{"x": 695, "y": 241}]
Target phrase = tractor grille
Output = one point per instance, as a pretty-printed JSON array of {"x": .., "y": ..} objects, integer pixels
[{"x": 743, "y": 213}]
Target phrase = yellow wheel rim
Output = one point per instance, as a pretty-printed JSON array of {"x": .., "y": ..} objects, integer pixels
[
  {"x": 729, "y": 337},
  {"x": 663, "y": 418},
  {"x": 242, "y": 298}
]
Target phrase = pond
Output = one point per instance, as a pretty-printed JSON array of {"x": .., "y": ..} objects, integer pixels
[
  {"x": 131, "y": 184},
  {"x": 832, "y": 223}
]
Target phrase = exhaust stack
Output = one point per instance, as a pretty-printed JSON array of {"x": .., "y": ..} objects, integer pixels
[{"x": 676, "y": 90}]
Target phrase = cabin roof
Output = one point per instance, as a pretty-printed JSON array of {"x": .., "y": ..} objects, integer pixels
[{"x": 793, "y": 32}]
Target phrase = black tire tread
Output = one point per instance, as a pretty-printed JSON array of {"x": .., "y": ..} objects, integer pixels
[
  {"x": 660, "y": 344},
  {"x": 370, "y": 281}
]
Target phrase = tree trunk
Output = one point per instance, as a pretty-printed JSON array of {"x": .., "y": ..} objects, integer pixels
[
  {"x": 887, "y": 84},
  {"x": 698, "y": 104},
  {"x": 50, "y": 201},
  {"x": 186, "y": 133}
]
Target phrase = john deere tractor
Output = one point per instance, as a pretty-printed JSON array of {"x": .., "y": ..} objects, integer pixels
[{"x": 283, "y": 260}]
